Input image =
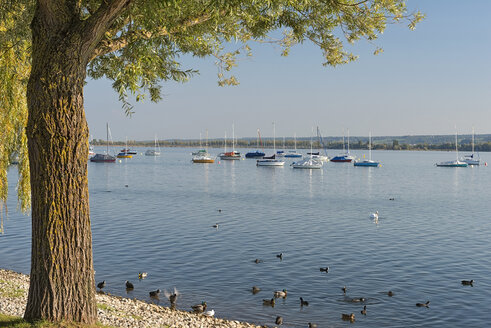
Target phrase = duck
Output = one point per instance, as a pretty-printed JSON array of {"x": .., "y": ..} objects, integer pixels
[
  {"x": 279, "y": 320},
  {"x": 312, "y": 325},
  {"x": 344, "y": 289},
  {"x": 280, "y": 256},
  {"x": 427, "y": 304},
  {"x": 391, "y": 198},
  {"x": 257, "y": 261},
  {"x": 374, "y": 215},
  {"x": 364, "y": 311},
  {"x": 209, "y": 313},
  {"x": 280, "y": 293},
  {"x": 390, "y": 293},
  {"x": 154, "y": 293},
  {"x": 468, "y": 282},
  {"x": 303, "y": 303},
  {"x": 101, "y": 285},
  {"x": 215, "y": 226},
  {"x": 348, "y": 317},
  {"x": 357, "y": 300},
  {"x": 142, "y": 275},
  {"x": 219, "y": 210},
  {"x": 326, "y": 269},
  {"x": 199, "y": 307},
  {"x": 269, "y": 302},
  {"x": 129, "y": 285},
  {"x": 172, "y": 297},
  {"x": 255, "y": 289}
]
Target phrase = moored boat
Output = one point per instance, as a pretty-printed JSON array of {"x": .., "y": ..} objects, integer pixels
[
  {"x": 457, "y": 162},
  {"x": 271, "y": 160},
  {"x": 368, "y": 162},
  {"x": 104, "y": 158}
]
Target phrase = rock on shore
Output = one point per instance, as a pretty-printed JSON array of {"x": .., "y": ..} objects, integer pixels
[{"x": 111, "y": 310}]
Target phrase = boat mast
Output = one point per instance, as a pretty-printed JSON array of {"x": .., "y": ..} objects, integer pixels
[
  {"x": 456, "y": 148},
  {"x": 233, "y": 138},
  {"x": 257, "y": 143},
  {"x": 370, "y": 146},
  {"x": 274, "y": 139},
  {"x": 348, "y": 141},
  {"x": 225, "y": 143},
  {"x": 206, "y": 144},
  {"x": 295, "y": 138},
  {"x": 107, "y": 138},
  {"x": 473, "y": 140}
]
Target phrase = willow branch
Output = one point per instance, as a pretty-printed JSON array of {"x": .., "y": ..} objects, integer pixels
[{"x": 112, "y": 45}]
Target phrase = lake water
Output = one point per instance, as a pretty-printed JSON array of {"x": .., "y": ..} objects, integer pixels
[{"x": 156, "y": 215}]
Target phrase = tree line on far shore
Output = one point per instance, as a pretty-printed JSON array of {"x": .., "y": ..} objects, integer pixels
[{"x": 445, "y": 143}]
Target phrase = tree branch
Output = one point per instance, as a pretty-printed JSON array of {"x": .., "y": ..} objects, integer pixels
[
  {"x": 99, "y": 22},
  {"x": 112, "y": 45}
]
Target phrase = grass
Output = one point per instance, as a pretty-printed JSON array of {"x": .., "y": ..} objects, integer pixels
[
  {"x": 10, "y": 290},
  {"x": 18, "y": 322}
]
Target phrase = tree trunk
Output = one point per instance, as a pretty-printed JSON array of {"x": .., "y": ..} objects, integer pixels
[{"x": 62, "y": 283}]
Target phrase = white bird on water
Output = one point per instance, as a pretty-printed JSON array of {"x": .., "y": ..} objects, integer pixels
[
  {"x": 374, "y": 216},
  {"x": 210, "y": 313}
]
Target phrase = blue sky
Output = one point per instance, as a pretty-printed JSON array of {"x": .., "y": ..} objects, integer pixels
[{"x": 426, "y": 81}]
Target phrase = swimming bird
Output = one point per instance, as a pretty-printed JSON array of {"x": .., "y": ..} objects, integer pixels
[
  {"x": 280, "y": 256},
  {"x": 215, "y": 226},
  {"x": 154, "y": 293},
  {"x": 364, "y": 311},
  {"x": 390, "y": 293},
  {"x": 210, "y": 313},
  {"x": 357, "y": 300},
  {"x": 392, "y": 198},
  {"x": 312, "y": 325},
  {"x": 142, "y": 275},
  {"x": 255, "y": 289},
  {"x": 101, "y": 285},
  {"x": 423, "y": 304},
  {"x": 220, "y": 210},
  {"x": 172, "y": 297},
  {"x": 279, "y": 320},
  {"x": 348, "y": 317},
  {"x": 280, "y": 293},
  {"x": 269, "y": 302},
  {"x": 129, "y": 285},
  {"x": 374, "y": 215},
  {"x": 326, "y": 269},
  {"x": 468, "y": 282},
  {"x": 199, "y": 307},
  {"x": 303, "y": 303},
  {"x": 257, "y": 261},
  {"x": 344, "y": 289}
]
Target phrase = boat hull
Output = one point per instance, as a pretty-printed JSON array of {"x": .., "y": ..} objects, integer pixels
[
  {"x": 203, "y": 160},
  {"x": 256, "y": 154},
  {"x": 270, "y": 162},
  {"x": 103, "y": 158},
  {"x": 367, "y": 164}
]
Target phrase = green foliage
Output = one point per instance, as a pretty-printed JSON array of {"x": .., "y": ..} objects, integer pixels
[
  {"x": 17, "y": 322},
  {"x": 14, "y": 72}
]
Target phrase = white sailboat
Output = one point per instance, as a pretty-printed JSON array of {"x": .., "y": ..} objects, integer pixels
[
  {"x": 104, "y": 158},
  {"x": 203, "y": 156},
  {"x": 308, "y": 163},
  {"x": 271, "y": 160},
  {"x": 472, "y": 159},
  {"x": 155, "y": 151},
  {"x": 457, "y": 162}
]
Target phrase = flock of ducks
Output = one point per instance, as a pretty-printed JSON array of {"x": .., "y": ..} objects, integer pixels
[{"x": 170, "y": 295}]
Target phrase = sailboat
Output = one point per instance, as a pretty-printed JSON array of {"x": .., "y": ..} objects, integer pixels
[
  {"x": 281, "y": 153},
  {"x": 308, "y": 163},
  {"x": 317, "y": 155},
  {"x": 368, "y": 162},
  {"x": 257, "y": 153},
  {"x": 455, "y": 163},
  {"x": 203, "y": 156},
  {"x": 155, "y": 151},
  {"x": 472, "y": 159},
  {"x": 345, "y": 157},
  {"x": 294, "y": 153},
  {"x": 104, "y": 158},
  {"x": 231, "y": 155},
  {"x": 125, "y": 153},
  {"x": 271, "y": 160}
]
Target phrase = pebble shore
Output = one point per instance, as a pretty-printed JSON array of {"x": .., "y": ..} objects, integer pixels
[{"x": 112, "y": 311}]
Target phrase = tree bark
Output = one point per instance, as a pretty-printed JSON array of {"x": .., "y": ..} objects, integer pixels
[{"x": 62, "y": 283}]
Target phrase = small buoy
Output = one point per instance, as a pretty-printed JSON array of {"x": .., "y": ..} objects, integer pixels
[{"x": 485, "y": 163}]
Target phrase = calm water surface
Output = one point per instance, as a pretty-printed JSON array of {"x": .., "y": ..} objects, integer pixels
[{"x": 434, "y": 234}]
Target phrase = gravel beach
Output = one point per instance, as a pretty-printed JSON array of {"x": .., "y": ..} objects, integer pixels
[{"x": 112, "y": 310}]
